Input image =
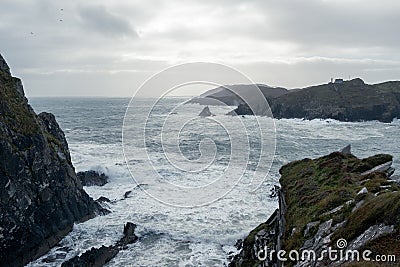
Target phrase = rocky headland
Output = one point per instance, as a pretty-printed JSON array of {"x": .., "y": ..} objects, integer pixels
[
  {"x": 337, "y": 201},
  {"x": 351, "y": 100},
  {"x": 40, "y": 195},
  {"x": 229, "y": 94}
]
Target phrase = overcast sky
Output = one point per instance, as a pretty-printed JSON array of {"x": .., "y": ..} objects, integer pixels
[{"x": 108, "y": 48}]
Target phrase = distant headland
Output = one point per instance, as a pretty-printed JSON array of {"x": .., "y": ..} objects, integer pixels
[{"x": 351, "y": 100}]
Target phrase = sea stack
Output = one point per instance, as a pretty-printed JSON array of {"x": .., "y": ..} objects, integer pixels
[{"x": 206, "y": 112}]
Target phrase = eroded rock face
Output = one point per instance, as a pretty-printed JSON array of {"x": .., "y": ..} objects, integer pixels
[{"x": 40, "y": 195}]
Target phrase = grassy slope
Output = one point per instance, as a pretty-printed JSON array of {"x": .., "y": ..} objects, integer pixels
[{"x": 314, "y": 187}]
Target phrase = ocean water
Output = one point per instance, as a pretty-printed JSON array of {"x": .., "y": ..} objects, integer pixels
[{"x": 191, "y": 236}]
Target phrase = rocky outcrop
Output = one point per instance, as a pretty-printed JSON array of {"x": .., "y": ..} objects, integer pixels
[
  {"x": 206, "y": 112},
  {"x": 320, "y": 208},
  {"x": 91, "y": 178},
  {"x": 40, "y": 195},
  {"x": 97, "y": 257}
]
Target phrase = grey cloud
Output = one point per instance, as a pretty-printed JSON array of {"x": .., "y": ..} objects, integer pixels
[
  {"x": 310, "y": 24},
  {"x": 100, "y": 20},
  {"x": 306, "y": 72},
  {"x": 331, "y": 23},
  {"x": 97, "y": 47}
]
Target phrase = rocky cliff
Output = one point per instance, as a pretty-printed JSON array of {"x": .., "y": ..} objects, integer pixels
[
  {"x": 347, "y": 101},
  {"x": 334, "y": 202},
  {"x": 230, "y": 94},
  {"x": 40, "y": 195}
]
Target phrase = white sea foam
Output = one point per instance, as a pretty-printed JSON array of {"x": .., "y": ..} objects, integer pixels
[{"x": 204, "y": 236}]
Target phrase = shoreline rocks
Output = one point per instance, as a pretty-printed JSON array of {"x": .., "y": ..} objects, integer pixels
[
  {"x": 92, "y": 178},
  {"x": 97, "y": 257}
]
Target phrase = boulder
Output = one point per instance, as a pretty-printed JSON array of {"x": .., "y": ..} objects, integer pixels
[
  {"x": 91, "y": 178},
  {"x": 364, "y": 190}
]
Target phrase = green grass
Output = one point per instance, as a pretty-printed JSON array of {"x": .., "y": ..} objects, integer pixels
[
  {"x": 314, "y": 187},
  {"x": 14, "y": 112}
]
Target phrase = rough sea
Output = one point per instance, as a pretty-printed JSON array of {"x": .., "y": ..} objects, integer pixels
[{"x": 186, "y": 236}]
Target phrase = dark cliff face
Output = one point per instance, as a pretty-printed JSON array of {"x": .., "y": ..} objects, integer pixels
[
  {"x": 348, "y": 101},
  {"x": 40, "y": 195}
]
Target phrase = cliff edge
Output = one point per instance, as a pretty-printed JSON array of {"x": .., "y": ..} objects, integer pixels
[
  {"x": 336, "y": 202},
  {"x": 40, "y": 195}
]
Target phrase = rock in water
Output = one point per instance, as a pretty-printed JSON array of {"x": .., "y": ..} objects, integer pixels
[
  {"x": 90, "y": 178},
  {"x": 97, "y": 257},
  {"x": 40, "y": 195},
  {"x": 205, "y": 112}
]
